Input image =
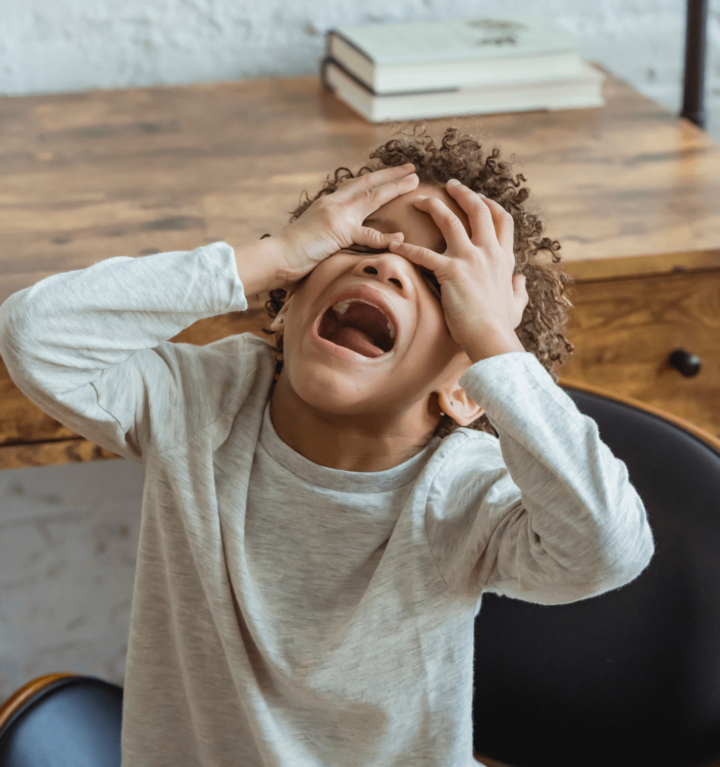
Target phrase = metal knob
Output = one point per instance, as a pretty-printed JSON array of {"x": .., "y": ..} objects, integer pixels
[{"x": 688, "y": 364}]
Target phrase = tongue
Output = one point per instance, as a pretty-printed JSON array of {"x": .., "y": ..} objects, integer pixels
[{"x": 355, "y": 339}]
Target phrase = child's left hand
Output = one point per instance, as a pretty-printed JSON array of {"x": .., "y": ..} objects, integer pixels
[{"x": 482, "y": 300}]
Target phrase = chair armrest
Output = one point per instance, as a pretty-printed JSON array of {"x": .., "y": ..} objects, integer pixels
[{"x": 488, "y": 762}]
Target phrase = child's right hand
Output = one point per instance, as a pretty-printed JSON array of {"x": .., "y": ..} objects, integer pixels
[{"x": 334, "y": 221}]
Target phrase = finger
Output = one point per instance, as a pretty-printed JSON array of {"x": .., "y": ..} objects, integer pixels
[
  {"x": 522, "y": 299},
  {"x": 376, "y": 196},
  {"x": 351, "y": 188},
  {"x": 481, "y": 218},
  {"x": 519, "y": 282},
  {"x": 503, "y": 222},
  {"x": 418, "y": 255},
  {"x": 452, "y": 228},
  {"x": 366, "y": 235}
]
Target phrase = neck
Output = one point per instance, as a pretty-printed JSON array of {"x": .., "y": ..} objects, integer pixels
[{"x": 358, "y": 442}]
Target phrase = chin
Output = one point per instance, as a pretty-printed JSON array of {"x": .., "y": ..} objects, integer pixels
[{"x": 330, "y": 391}]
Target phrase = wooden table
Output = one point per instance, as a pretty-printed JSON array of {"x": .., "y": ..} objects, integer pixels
[{"x": 630, "y": 190}]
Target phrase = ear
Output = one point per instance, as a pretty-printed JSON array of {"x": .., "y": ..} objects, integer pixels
[
  {"x": 276, "y": 325},
  {"x": 455, "y": 402}
]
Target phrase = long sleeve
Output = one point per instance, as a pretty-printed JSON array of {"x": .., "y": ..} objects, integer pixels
[
  {"x": 90, "y": 347},
  {"x": 544, "y": 513}
]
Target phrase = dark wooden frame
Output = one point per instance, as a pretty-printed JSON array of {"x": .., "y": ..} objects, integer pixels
[{"x": 695, "y": 57}]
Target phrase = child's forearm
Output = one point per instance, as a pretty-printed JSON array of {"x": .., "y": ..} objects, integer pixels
[
  {"x": 91, "y": 346},
  {"x": 259, "y": 265},
  {"x": 557, "y": 518}
]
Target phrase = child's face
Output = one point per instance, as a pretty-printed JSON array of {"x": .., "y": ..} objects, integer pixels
[{"x": 424, "y": 355}]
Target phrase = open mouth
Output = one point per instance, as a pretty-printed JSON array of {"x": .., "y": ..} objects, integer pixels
[{"x": 358, "y": 326}]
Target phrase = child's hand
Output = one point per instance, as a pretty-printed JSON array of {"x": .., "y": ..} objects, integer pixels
[
  {"x": 334, "y": 221},
  {"x": 483, "y": 302}
]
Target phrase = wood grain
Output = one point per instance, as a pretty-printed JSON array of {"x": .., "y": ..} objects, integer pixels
[
  {"x": 628, "y": 189},
  {"x": 625, "y": 330},
  {"x": 78, "y": 450},
  {"x": 87, "y": 176}
]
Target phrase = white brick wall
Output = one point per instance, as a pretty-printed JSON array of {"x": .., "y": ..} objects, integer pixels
[
  {"x": 68, "y": 543},
  {"x": 68, "y": 533},
  {"x": 55, "y": 46}
]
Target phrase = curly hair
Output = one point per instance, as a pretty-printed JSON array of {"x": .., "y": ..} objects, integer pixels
[{"x": 460, "y": 156}]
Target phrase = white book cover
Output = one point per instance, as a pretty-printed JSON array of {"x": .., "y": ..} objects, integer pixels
[
  {"x": 457, "y": 39},
  {"x": 572, "y": 93}
]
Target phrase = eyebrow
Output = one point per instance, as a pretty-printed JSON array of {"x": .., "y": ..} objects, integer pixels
[{"x": 393, "y": 227}]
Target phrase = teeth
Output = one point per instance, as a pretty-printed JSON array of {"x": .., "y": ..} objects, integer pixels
[{"x": 342, "y": 306}]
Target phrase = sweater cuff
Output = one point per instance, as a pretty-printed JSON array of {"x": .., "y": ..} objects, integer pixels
[
  {"x": 228, "y": 290},
  {"x": 505, "y": 384}
]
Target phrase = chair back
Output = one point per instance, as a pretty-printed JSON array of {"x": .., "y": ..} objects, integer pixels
[
  {"x": 630, "y": 677},
  {"x": 70, "y": 721}
]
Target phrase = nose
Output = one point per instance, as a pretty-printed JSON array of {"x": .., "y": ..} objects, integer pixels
[{"x": 387, "y": 267}]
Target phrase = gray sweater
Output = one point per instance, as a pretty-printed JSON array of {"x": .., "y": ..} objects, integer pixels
[{"x": 286, "y": 614}]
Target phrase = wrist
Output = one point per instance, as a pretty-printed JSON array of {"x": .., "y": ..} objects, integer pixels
[
  {"x": 492, "y": 344},
  {"x": 259, "y": 265}
]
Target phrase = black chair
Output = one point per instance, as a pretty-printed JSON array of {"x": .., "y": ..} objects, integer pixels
[
  {"x": 62, "y": 720},
  {"x": 630, "y": 678}
]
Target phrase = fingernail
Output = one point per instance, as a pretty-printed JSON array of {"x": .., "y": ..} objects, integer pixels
[
  {"x": 453, "y": 182},
  {"x": 421, "y": 197}
]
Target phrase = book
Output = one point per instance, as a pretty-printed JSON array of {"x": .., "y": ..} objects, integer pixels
[
  {"x": 575, "y": 92},
  {"x": 454, "y": 53}
]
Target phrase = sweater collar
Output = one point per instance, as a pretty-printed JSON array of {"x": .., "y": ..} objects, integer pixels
[{"x": 336, "y": 479}]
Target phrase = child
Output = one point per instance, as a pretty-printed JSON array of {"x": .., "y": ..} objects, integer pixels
[{"x": 321, "y": 519}]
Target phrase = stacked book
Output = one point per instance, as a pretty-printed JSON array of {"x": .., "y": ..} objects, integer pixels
[{"x": 417, "y": 70}]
